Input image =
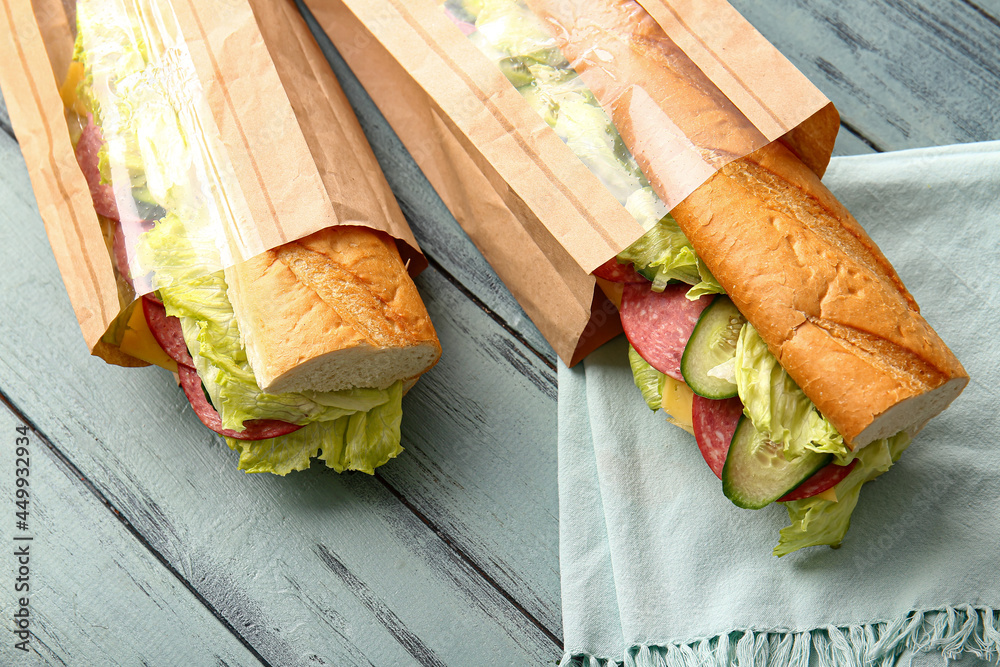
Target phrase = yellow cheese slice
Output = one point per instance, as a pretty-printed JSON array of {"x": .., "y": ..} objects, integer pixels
[
  {"x": 138, "y": 341},
  {"x": 830, "y": 494},
  {"x": 70, "y": 86},
  {"x": 676, "y": 401},
  {"x": 611, "y": 290}
]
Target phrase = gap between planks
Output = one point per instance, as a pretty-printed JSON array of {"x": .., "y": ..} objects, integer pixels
[
  {"x": 850, "y": 129},
  {"x": 5, "y": 120},
  {"x": 443, "y": 536},
  {"x": 543, "y": 357},
  {"x": 64, "y": 460},
  {"x": 995, "y": 20}
]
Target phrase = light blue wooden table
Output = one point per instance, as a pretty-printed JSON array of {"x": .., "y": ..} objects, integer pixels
[{"x": 151, "y": 548}]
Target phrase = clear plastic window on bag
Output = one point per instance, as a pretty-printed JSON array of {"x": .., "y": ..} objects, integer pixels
[
  {"x": 522, "y": 45},
  {"x": 146, "y": 143},
  {"x": 170, "y": 208}
]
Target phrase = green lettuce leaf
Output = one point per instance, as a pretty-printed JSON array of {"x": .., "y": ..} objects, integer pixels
[
  {"x": 588, "y": 131},
  {"x": 706, "y": 285},
  {"x": 360, "y": 441},
  {"x": 818, "y": 521},
  {"x": 664, "y": 254},
  {"x": 369, "y": 438},
  {"x": 285, "y": 453},
  {"x": 776, "y": 405},
  {"x": 83, "y": 88},
  {"x": 464, "y": 10},
  {"x": 511, "y": 29},
  {"x": 649, "y": 380}
]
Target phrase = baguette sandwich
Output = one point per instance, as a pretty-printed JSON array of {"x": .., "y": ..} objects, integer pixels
[
  {"x": 761, "y": 316},
  {"x": 302, "y": 351}
]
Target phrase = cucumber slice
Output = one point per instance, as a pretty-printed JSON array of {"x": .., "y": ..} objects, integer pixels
[
  {"x": 647, "y": 272},
  {"x": 712, "y": 342},
  {"x": 756, "y": 473}
]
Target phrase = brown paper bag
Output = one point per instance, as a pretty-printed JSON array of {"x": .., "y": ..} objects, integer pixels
[
  {"x": 290, "y": 155},
  {"x": 533, "y": 209}
]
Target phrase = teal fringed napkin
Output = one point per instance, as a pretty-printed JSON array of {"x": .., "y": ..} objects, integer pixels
[{"x": 658, "y": 568}]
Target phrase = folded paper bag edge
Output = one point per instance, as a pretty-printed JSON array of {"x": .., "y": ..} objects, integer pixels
[
  {"x": 64, "y": 203},
  {"x": 31, "y": 92}
]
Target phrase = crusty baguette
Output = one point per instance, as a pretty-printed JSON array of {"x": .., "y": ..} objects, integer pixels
[
  {"x": 795, "y": 262},
  {"x": 822, "y": 295},
  {"x": 334, "y": 310}
]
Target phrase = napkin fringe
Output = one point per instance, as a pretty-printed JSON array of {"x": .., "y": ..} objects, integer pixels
[{"x": 951, "y": 630}]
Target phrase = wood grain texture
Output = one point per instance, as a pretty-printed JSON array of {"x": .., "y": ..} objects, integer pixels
[
  {"x": 903, "y": 73},
  {"x": 988, "y": 9},
  {"x": 849, "y": 143},
  {"x": 84, "y": 565},
  {"x": 480, "y": 431},
  {"x": 315, "y": 564},
  {"x": 5, "y": 125},
  {"x": 453, "y": 545}
]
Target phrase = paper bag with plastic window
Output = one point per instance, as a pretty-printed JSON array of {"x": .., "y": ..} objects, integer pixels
[
  {"x": 272, "y": 151},
  {"x": 205, "y": 151},
  {"x": 575, "y": 126},
  {"x": 552, "y": 174}
]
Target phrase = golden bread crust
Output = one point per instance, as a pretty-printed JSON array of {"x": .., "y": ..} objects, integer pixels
[
  {"x": 822, "y": 295},
  {"x": 794, "y": 261},
  {"x": 343, "y": 288}
]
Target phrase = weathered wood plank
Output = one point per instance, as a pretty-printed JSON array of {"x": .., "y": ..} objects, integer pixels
[
  {"x": 988, "y": 9},
  {"x": 95, "y": 596},
  {"x": 903, "y": 73},
  {"x": 281, "y": 558},
  {"x": 849, "y": 143},
  {"x": 5, "y": 125},
  {"x": 481, "y": 460}
]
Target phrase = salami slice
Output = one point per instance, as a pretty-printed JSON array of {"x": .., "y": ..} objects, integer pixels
[
  {"x": 121, "y": 254},
  {"x": 167, "y": 331},
  {"x": 825, "y": 478},
  {"x": 659, "y": 324},
  {"x": 87, "y": 149},
  {"x": 714, "y": 426},
  {"x": 618, "y": 273},
  {"x": 254, "y": 429},
  {"x": 118, "y": 245}
]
